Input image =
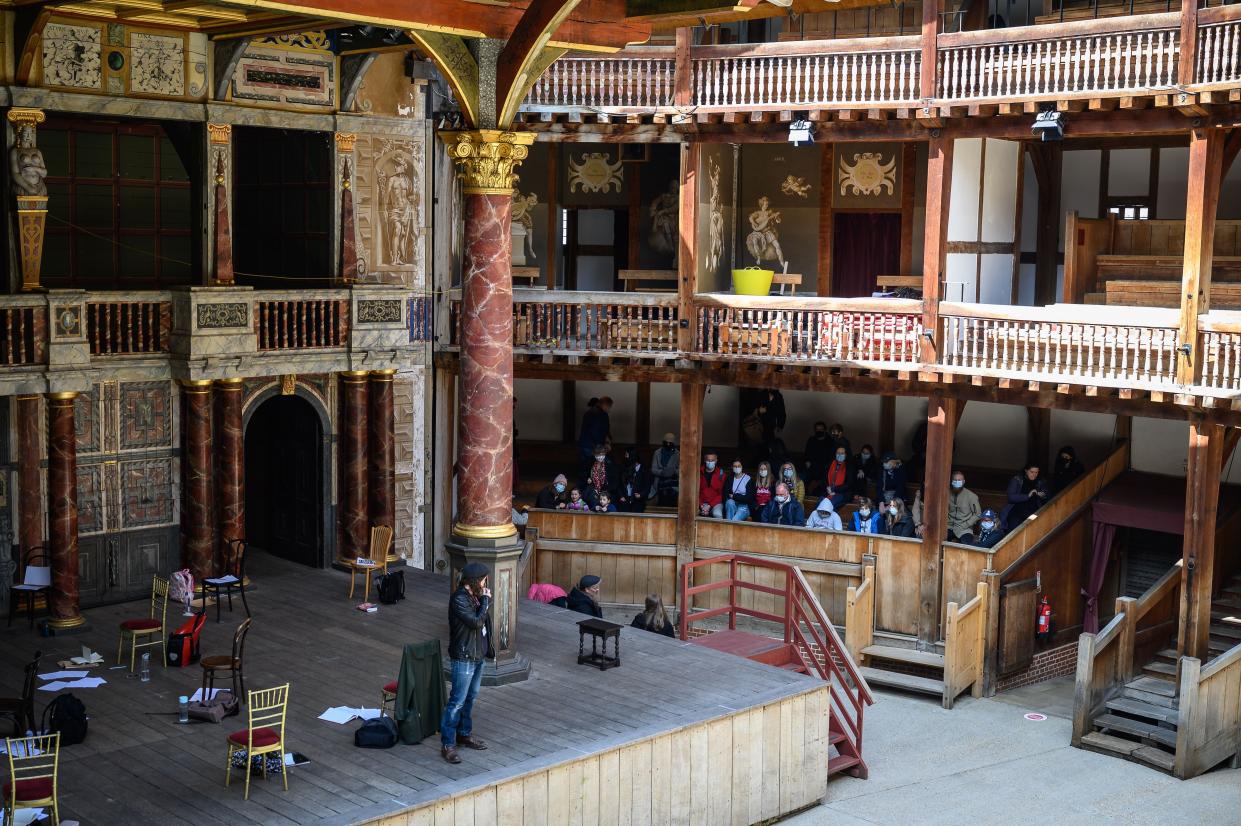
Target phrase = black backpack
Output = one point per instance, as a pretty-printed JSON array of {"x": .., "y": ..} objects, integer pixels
[
  {"x": 391, "y": 587},
  {"x": 66, "y": 715},
  {"x": 377, "y": 733}
]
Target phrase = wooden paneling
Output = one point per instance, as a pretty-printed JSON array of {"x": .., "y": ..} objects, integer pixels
[
  {"x": 962, "y": 571},
  {"x": 1210, "y": 716},
  {"x": 629, "y": 573},
  {"x": 896, "y": 584},
  {"x": 1018, "y": 603},
  {"x": 1061, "y": 563},
  {"x": 637, "y": 528},
  {"x": 964, "y": 633},
  {"x": 1084, "y": 240}
]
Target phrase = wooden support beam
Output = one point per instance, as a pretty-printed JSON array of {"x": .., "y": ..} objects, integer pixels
[
  {"x": 938, "y": 182},
  {"x": 1047, "y": 160},
  {"x": 683, "y": 77},
  {"x": 1206, "y": 156},
  {"x": 930, "y": 58},
  {"x": 941, "y": 416},
  {"x": 1038, "y": 436},
  {"x": 887, "y": 424},
  {"x": 691, "y": 457},
  {"x": 642, "y": 411},
  {"x": 1187, "y": 52},
  {"x": 825, "y": 219},
  {"x": 908, "y": 192},
  {"x": 1206, "y": 451},
  {"x": 687, "y": 257}
]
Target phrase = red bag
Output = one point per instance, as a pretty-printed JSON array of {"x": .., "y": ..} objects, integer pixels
[{"x": 183, "y": 643}]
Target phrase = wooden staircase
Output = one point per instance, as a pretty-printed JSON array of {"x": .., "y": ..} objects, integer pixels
[{"x": 898, "y": 665}]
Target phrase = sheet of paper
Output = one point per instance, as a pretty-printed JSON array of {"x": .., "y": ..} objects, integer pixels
[
  {"x": 222, "y": 580},
  {"x": 53, "y": 686},
  {"x": 86, "y": 682},
  {"x": 338, "y": 714},
  {"x": 63, "y": 675},
  {"x": 367, "y": 713},
  {"x": 25, "y": 817},
  {"x": 197, "y": 696}
]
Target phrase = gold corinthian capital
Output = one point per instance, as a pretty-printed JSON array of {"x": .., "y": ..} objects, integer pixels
[{"x": 487, "y": 158}]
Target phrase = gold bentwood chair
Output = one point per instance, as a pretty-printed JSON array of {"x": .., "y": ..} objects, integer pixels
[
  {"x": 151, "y": 628},
  {"x": 376, "y": 559},
  {"x": 33, "y": 765},
  {"x": 265, "y": 711}
]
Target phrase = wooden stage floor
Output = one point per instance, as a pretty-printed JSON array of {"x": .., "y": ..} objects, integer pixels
[{"x": 138, "y": 766}]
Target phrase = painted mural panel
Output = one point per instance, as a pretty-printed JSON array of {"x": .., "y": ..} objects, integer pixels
[
  {"x": 532, "y": 210},
  {"x": 593, "y": 176},
  {"x": 867, "y": 176},
  {"x": 779, "y": 209},
  {"x": 72, "y": 56},
  {"x": 116, "y": 59},
  {"x": 390, "y": 209},
  {"x": 296, "y": 69},
  {"x": 659, "y": 215},
  {"x": 715, "y": 174}
]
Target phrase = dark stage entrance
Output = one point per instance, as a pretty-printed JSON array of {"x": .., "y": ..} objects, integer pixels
[
  {"x": 864, "y": 245},
  {"x": 284, "y": 480}
]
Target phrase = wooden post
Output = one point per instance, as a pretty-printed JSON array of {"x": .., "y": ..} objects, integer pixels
[
  {"x": 642, "y": 412},
  {"x": 683, "y": 79},
  {"x": 941, "y": 416},
  {"x": 1038, "y": 436},
  {"x": 691, "y": 458},
  {"x": 568, "y": 412},
  {"x": 930, "y": 61},
  {"x": 687, "y": 258},
  {"x": 1206, "y": 156},
  {"x": 553, "y": 215},
  {"x": 1124, "y": 431},
  {"x": 908, "y": 192},
  {"x": 887, "y": 424},
  {"x": 1206, "y": 450},
  {"x": 1187, "y": 57},
  {"x": 991, "y": 635},
  {"x": 826, "y": 159},
  {"x": 938, "y": 182},
  {"x": 1048, "y": 162}
]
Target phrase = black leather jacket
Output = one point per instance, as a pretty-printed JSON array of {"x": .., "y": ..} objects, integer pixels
[{"x": 466, "y": 621}]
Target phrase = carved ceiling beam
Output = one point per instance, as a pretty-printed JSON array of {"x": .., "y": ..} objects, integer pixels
[
  {"x": 524, "y": 53},
  {"x": 449, "y": 54}
]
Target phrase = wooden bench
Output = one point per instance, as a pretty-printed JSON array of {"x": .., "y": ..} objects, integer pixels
[
  {"x": 792, "y": 280},
  {"x": 896, "y": 282},
  {"x": 1162, "y": 267},
  {"x": 1113, "y": 9},
  {"x": 754, "y": 339},
  {"x": 640, "y": 280},
  {"x": 659, "y": 335},
  {"x": 530, "y": 275},
  {"x": 1130, "y": 293}
]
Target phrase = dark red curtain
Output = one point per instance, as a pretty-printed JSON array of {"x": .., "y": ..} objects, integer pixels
[{"x": 864, "y": 245}]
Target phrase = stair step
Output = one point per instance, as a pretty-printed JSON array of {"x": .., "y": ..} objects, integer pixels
[
  {"x": 1168, "y": 654},
  {"x": 1149, "y": 698},
  {"x": 1232, "y": 630},
  {"x": 1147, "y": 731},
  {"x": 905, "y": 655},
  {"x": 907, "y": 682},
  {"x": 841, "y": 762},
  {"x": 798, "y": 667},
  {"x": 1153, "y": 685},
  {"x": 835, "y": 737},
  {"x": 1150, "y": 711},
  {"x": 1160, "y": 670},
  {"x": 1110, "y": 743},
  {"x": 1155, "y": 757}
]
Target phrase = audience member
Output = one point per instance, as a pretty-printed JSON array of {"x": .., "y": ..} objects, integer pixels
[
  {"x": 666, "y": 468},
  {"x": 554, "y": 496},
  {"x": 654, "y": 618},
  {"x": 783, "y": 509},
  {"x": 866, "y": 471},
  {"x": 585, "y": 597},
  {"x": 788, "y": 476},
  {"x": 963, "y": 509},
  {"x": 1026, "y": 493},
  {"x": 817, "y": 456},
  {"x": 603, "y": 504},
  {"x": 548, "y": 594},
  {"x": 711, "y": 487},
  {"x": 865, "y": 518},
  {"x": 836, "y": 433},
  {"x": 596, "y": 430},
  {"x": 602, "y": 477},
  {"x": 989, "y": 531},
  {"x": 1066, "y": 469},
  {"x": 764, "y": 487},
  {"x": 635, "y": 483},
  {"x": 896, "y": 519},
  {"x": 824, "y": 517},
  {"x": 576, "y": 502},
  {"x": 839, "y": 480},
  {"x": 738, "y": 494},
  {"x": 893, "y": 478},
  {"x": 521, "y": 516}
]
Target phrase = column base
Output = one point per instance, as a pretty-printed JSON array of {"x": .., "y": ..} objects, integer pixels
[
  {"x": 57, "y": 627},
  {"x": 502, "y": 555},
  {"x": 499, "y": 672}
]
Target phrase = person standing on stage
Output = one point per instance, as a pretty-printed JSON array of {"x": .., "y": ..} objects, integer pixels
[{"x": 469, "y": 643}]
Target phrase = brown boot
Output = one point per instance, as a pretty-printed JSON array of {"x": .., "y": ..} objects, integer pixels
[
  {"x": 471, "y": 742},
  {"x": 449, "y": 753}
]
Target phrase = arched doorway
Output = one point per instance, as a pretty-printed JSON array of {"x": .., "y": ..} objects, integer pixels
[{"x": 284, "y": 480}]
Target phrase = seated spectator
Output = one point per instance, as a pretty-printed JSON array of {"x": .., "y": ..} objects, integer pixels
[
  {"x": 548, "y": 594},
  {"x": 654, "y": 618},
  {"x": 788, "y": 476},
  {"x": 585, "y": 597},
  {"x": 603, "y": 504},
  {"x": 576, "y": 502},
  {"x": 817, "y": 456},
  {"x": 635, "y": 484},
  {"x": 865, "y": 518},
  {"x": 866, "y": 470},
  {"x": 764, "y": 487},
  {"x": 837, "y": 436},
  {"x": 602, "y": 477},
  {"x": 896, "y": 519},
  {"x": 711, "y": 487},
  {"x": 892, "y": 478},
  {"x": 738, "y": 494},
  {"x": 554, "y": 496},
  {"x": 963, "y": 510},
  {"x": 1066, "y": 469},
  {"x": 666, "y": 469},
  {"x": 989, "y": 531},
  {"x": 783, "y": 509},
  {"x": 839, "y": 480},
  {"x": 1026, "y": 493},
  {"x": 824, "y": 517},
  {"x": 521, "y": 516}
]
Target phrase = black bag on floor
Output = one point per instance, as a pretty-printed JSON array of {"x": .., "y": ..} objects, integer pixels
[
  {"x": 66, "y": 714},
  {"x": 391, "y": 587},
  {"x": 378, "y": 733}
]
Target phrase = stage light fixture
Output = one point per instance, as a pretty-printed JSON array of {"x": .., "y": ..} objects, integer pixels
[
  {"x": 801, "y": 131},
  {"x": 1049, "y": 126}
]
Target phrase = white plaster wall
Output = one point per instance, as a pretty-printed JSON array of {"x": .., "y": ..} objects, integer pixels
[
  {"x": 1025, "y": 285},
  {"x": 1129, "y": 171},
  {"x": 1160, "y": 446},
  {"x": 966, "y": 176},
  {"x": 539, "y": 406},
  {"x": 720, "y": 416},
  {"x": 991, "y": 436},
  {"x": 858, "y": 414},
  {"x": 1173, "y": 182},
  {"x": 997, "y": 279},
  {"x": 1079, "y": 186},
  {"x": 999, "y": 199},
  {"x": 623, "y": 414},
  {"x": 1091, "y": 434},
  {"x": 960, "y": 276},
  {"x": 910, "y": 413},
  {"x": 665, "y": 411}
]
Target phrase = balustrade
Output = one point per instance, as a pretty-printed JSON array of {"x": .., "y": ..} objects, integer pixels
[
  {"x": 301, "y": 323},
  {"x": 124, "y": 328},
  {"x": 640, "y": 79},
  {"x": 1219, "y": 46},
  {"x": 23, "y": 335}
]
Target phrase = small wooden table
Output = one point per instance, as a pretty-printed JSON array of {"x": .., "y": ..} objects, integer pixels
[{"x": 599, "y": 630}]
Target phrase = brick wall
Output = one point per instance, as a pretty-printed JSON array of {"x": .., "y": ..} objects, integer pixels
[{"x": 1054, "y": 662}]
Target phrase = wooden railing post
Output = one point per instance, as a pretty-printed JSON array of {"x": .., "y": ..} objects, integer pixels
[
  {"x": 938, "y": 182},
  {"x": 1206, "y": 449},
  {"x": 1187, "y": 57},
  {"x": 687, "y": 257},
  {"x": 1083, "y": 700},
  {"x": 1188, "y": 738},
  {"x": 683, "y": 72},
  {"x": 930, "y": 58},
  {"x": 1128, "y": 638},
  {"x": 691, "y": 456},
  {"x": 1206, "y": 159},
  {"x": 941, "y": 424}
]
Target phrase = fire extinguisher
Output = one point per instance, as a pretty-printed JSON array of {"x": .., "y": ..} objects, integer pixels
[{"x": 1044, "y": 619}]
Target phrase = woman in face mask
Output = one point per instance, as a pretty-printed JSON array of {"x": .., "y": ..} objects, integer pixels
[
  {"x": 896, "y": 519},
  {"x": 866, "y": 470},
  {"x": 1066, "y": 469},
  {"x": 839, "y": 485},
  {"x": 764, "y": 487},
  {"x": 738, "y": 494},
  {"x": 554, "y": 496},
  {"x": 866, "y": 519},
  {"x": 788, "y": 476},
  {"x": 635, "y": 484},
  {"x": 711, "y": 485}
]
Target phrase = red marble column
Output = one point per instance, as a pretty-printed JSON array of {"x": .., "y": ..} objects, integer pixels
[
  {"x": 382, "y": 449},
  {"x": 348, "y": 237},
  {"x": 223, "y": 236},
  {"x": 197, "y": 524},
  {"x": 29, "y": 495},
  {"x": 230, "y": 462},
  {"x": 485, "y": 481},
  {"x": 355, "y": 526},
  {"x": 62, "y": 501}
]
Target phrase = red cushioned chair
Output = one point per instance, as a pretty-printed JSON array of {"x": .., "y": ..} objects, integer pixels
[
  {"x": 265, "y": 711},
  {"x": 387, "y": 695},
  {"x": 150, "y": 629},
  {"x": 33, "y": 765}
]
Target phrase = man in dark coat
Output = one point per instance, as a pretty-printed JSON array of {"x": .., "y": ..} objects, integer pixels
[
  {"x": 585, "y": 597},
  {"x": 817, "y": 456},
  {"x": 596, "y": 430},
  {"x": 469, "y": 643}
]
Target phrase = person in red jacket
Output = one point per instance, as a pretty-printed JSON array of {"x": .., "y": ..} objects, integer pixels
[{"x": 711, "y": 487}]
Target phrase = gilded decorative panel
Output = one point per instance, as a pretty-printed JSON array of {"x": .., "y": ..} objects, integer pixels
[
  {"x": 146, "y": 493},
  {"x": 867, "y": 176},
  {"x": 90, "y": 499},
  {"x": 146, "y": 414},
  {"x": 222, "y": 316},
  {"x": 86, "y": 421},
  {"x": 379, "y": 312},
  {"x": 72, "y": 56},
  {"x": 291, "y": 69}
]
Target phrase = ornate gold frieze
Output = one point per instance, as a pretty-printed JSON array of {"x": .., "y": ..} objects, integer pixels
[
  {"x": 487, "y": 159},
  {"x": 345, "y": 141},
  {"x": 20, "y": 116},
  {"x": 219, "y": 132}
]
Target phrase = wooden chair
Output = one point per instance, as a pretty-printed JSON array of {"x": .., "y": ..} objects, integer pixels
[
  {"x": 376, "y": 559},
  {"x": 36, "y": 579},
  {"x": 152, "y": 625},
  {"x": 34, "y": 763},
  {"x": 232, "y": 663},
  {"x": 264, "y": 734},
  {"x": 230, "y": 575},
  {"x": 21, "y": 709},
  {"x": 387, "y": 696}
]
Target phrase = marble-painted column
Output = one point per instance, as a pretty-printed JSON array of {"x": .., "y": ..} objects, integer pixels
[
  {"x": 355, "y": 527},
  {"x": 484, "y": 531},
  {"x": 62, "y": 506},
  {"x": 230, "y": 462},
  {"x": 219, "y": 142},
  {"x": 29, "y": 493},
  {"x": 382, "y": 447},
  {"x": 197, "y": 523}
]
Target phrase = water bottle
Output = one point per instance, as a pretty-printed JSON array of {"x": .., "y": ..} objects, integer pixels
[
  {"x": 184, "y": 708},
  {"x": 144, "y": 671}
]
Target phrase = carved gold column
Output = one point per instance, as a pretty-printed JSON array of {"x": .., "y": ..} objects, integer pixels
[
  {"x": 30, "y": 190},
  {"x": 219, "y": 141},
  {"x": 348, "y": 237},
  {"x": 486, "y": 160}
]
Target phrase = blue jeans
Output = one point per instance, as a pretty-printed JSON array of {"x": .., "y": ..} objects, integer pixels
[
  {"x": 466, "y": 678},
  {"x": 735, "y": 512}
]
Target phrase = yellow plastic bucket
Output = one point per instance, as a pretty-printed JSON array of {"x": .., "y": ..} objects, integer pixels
[{"x": 752, "y": 281}]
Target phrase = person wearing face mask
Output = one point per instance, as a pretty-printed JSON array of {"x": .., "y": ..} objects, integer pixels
[
  {"x": 1027, "y": 492},
  {"x": 989, "y": 531},
  {"x": 554, "y": 496},
  {"x": 596, "y": 430},
  {"x": 635, "y": 484},
  {"x": 836, "y": 434},
  {"x": 738, "y": 494},
  {"x": 892, "y": 479},
  {"x": 783, "y": 509},
  {"x": 788, "y": 476},
  {"x": 963, "y": 510},
  {"x": 824, "y": 517},
  {"x": 817, "y": 456},
  {"x": 896, "y": 520},
  {"x": 839, "y": 480},
  {"x": 1066, "y": 469},
  {"x": 603, "y": 477},
  {"x": 866, "y": 470},
  {"x": 866, "y": 519},
  {"x": 665, "y": 470},
  {"x": 764, "y": 487},
  {"x": 711, "y": 487}
]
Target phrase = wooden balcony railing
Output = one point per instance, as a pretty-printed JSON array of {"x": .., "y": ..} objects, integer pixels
[
  {"x": 23, "y": 335},
  {"x": 641, "y": 78},
  {"x": 125, "y": 328},
  {"x": 301, "y": 323},
  {"x": 1221, "y": 351},
  {"x": 1219, "y": 46}
]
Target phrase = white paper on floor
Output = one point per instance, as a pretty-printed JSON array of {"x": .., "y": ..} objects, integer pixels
[
  {"x": 197, "y": 696},
  {"x": 63, "y": 675},
  {"x": 85, "y": 682},
  {"x": 24, "y": 817},
  {"x": 343, "y": 714}
]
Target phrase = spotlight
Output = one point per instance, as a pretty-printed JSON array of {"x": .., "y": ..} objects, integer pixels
[
  {"x": 1049, "y": 126},
  {"x": 800, "y": 131}
]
